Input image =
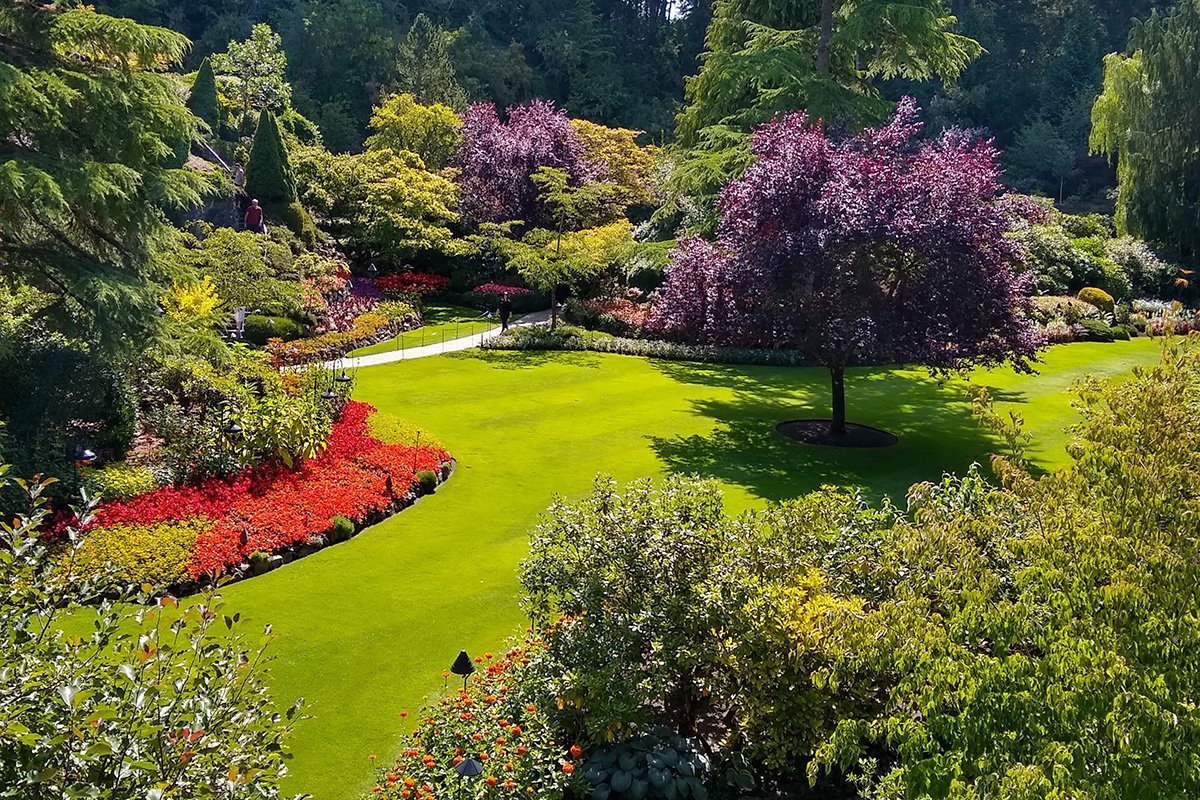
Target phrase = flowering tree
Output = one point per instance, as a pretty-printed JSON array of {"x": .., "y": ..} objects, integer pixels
[
  {"x": 878, "y": 248},
  {"x": 498, "y": 160}
]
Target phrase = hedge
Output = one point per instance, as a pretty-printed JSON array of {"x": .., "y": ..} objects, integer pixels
[{"x": 570, "y": 338}]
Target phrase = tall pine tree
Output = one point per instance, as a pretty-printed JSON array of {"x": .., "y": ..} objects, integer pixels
[
  {"x": 203, "y": 98},
  {"x": 268, "y": 174},
  {"x": 424, "y": 67},
  {"x": 91, "y": 130},
  {"x": 1148, "y": 120}
]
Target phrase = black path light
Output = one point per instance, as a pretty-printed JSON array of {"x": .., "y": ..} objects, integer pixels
[
  {"x": 82, "y": 456},
  {"x": 232, "y": 429},
  {"x": 469, "y": 768},
  {"x": 463, "y": 667}
]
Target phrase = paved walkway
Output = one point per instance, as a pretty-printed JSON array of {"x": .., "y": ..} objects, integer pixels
[{"x": 448, "y": 346}]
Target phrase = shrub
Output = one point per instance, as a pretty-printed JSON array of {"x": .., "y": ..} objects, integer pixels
[
  {"x": 342, "y": 529},
  {"x": 659, "y": 765},
  {"x": 618, "y": 316},
  {"x": 1097, "y": 330},
  {"x": 427, "y": 481},
  {"x": 261, "y": 329},
  {"x": 72, "y": 708},
  {"x": 522, "y": 303},
  {"x": 120, "y": 481},
  {"x": 202, "y": 101},
  {"x": 1098, "y": 298},
  {"x": 158, "y": 554},
  {"x": 403, "y": 314},
  {"x": 268, "y": 175},
  {"x": 501, "y": 290}
]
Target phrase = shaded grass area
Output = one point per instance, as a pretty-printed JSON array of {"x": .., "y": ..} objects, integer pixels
[
  {"x": 441, "y": 322},
  {"x": 367, "y": 627}
]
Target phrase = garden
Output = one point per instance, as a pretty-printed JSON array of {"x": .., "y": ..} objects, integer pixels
[{"x": 836, "y": 446}]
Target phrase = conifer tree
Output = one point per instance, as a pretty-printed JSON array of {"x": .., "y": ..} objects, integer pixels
[
  {"x": 268, "y": 174},
  {"x": 1148, "y": 120},
  {"x": 424, "y": 67},
  {"x": 91, "y": 127},
  {"x": 203, "y": 98}
]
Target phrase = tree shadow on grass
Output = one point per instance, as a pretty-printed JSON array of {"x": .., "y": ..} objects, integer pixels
[
  {"x": 530, "y": 359},
  {"x": 932, "y": 419}
]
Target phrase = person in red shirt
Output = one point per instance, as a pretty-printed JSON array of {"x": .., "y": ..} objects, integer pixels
[{"x": 254, "y": 218}]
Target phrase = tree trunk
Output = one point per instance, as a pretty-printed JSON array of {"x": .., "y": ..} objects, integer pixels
[
  {"x": 826, "y": 36},
  {"x": 553, "y": 308},
  {"x": 837, "y": 380}
]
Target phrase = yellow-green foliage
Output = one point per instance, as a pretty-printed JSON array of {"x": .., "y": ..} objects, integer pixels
[
  {"x": 155, "y": 554},
  {"x": 1097, "y": 297},
  {"x": 120, "y": 481},
  {"x": 393, "y": 430},
  {"x": 186, "y": 302}
]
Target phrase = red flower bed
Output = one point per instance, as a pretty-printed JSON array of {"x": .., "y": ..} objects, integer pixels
[
  {"x": 501, "y": 288},
  {"x": 419, "y": 283},
  {"x": 271, "y": 506}
]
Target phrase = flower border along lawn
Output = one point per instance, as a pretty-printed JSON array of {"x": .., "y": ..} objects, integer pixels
[{"x": 367, "y": 627}]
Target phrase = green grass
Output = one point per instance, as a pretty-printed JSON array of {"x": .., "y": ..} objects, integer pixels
[
  {"x": 449, "y": 322},
  {"x": 367, "y": 627}
]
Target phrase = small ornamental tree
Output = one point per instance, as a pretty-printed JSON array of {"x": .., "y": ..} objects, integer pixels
[
  {"x": 203, "y": 99},
  {"x": 879, "y": 248},
  {"x": 268, "y": 175},
  {"x": 498, "y": 160}
]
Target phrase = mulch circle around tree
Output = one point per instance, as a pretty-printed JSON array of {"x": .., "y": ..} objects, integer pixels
[{"x": 816, "y": 431}]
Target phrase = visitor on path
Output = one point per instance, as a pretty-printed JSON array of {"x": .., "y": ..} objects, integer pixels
[
  {"x": 254, "y": 218},
  {"x": 505, "y": 312},
  {"x": 239, "y": 187}
]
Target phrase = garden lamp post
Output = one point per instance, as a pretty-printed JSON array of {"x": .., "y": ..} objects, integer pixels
[
  {"x": 463, "y": 667},
  {"x": 470, "y": 768},
  {"x": 82, "y": 456},
  {"x": 232, "y": 429},
  {"x": 372, "y": 269}
]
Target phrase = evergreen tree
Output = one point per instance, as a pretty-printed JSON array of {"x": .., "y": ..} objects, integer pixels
[
  {"x": 203, "y": 98},
  {"x": 257, "y": 66},
  {"x": 268, "y": 174},
  {"x": 1148, "y": 120},
  {"x": 90, "y": 129},
  {"x": 424, "y": 67}
]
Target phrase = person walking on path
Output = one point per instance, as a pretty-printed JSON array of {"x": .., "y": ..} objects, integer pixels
[
  {"x": 254, "y": 218},
  {"x": 505, "y": 312},
  {"x": 239, "y": 187}
]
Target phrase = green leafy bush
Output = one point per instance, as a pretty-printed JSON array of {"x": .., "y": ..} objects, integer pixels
[
  {"x": 1098, "y": 298},
  {"x": 659, "y": 765},
  {"x": 148, "y": 697},
  {"x": 260, "y": 329},
  {"x": 158, "y": 555},
  {"x": 403, "y": 314},
  {"x": 523, "y": 303},
  {"x": 427, "y": 481},
  {"x": 120, "y": 481},
  {"x": 342, "y": 529},
  {"x": 1097, "y": 330}
]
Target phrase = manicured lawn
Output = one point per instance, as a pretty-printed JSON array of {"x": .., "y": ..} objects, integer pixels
[
  {"x": 367, "y": 627},
  {"x": 448, "y": 322}
]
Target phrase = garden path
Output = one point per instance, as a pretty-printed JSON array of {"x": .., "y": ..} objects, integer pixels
[{"x": 453, "y": 345}]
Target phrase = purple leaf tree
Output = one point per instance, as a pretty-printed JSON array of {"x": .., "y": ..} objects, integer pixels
[
  {"x": 878, "y": 248},
  {"x": 498, "y": 158}
]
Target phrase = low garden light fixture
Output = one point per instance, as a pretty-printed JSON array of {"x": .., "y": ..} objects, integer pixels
[
  {"x": 329, "y": 394},
  {"x": 344, "y": 378},
  {"x": 82, "y": 456},
  {"x": 463, "y": 667},
  {"x": 372, "y": 269},
  {"x": 232, "y": 429},
  {"x": 469, "y": 768}
]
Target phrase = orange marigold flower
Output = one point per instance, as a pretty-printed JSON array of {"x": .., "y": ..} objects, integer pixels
[
  {"x": 404, "y": 713},
  {"x": 500, "y": 741},
  {"x": 529, "y": 791},
  {"x": 393, "y": 777},
  {"x": 491, "y": 698},
  {"x": 483, "y": 756},
  {"x": 515, "y": 730},
  {"x": 409, "y": 782},
  {"x": 509, "y": 784},
  {"x": 487, "y": 655},
  {"x": 568, "y": 767},
  {"x": 372, "y": 756},
  {"x": 491, "y": 780},
  {"x": 504, "y": 723},
  {"x": 576, "y": 751},
  {"x": 522, "y": 750},
  {"x": 406, "y": 793},
  {"x": 477, "y": 737},
  {"x": 456, "y": 761},
  {"x": 531, "y": 708}
]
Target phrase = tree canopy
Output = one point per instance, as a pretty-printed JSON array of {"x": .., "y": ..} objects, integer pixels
[
  {"x": 1148, "y": 120},
  {"x": 93, "y": 136}
]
